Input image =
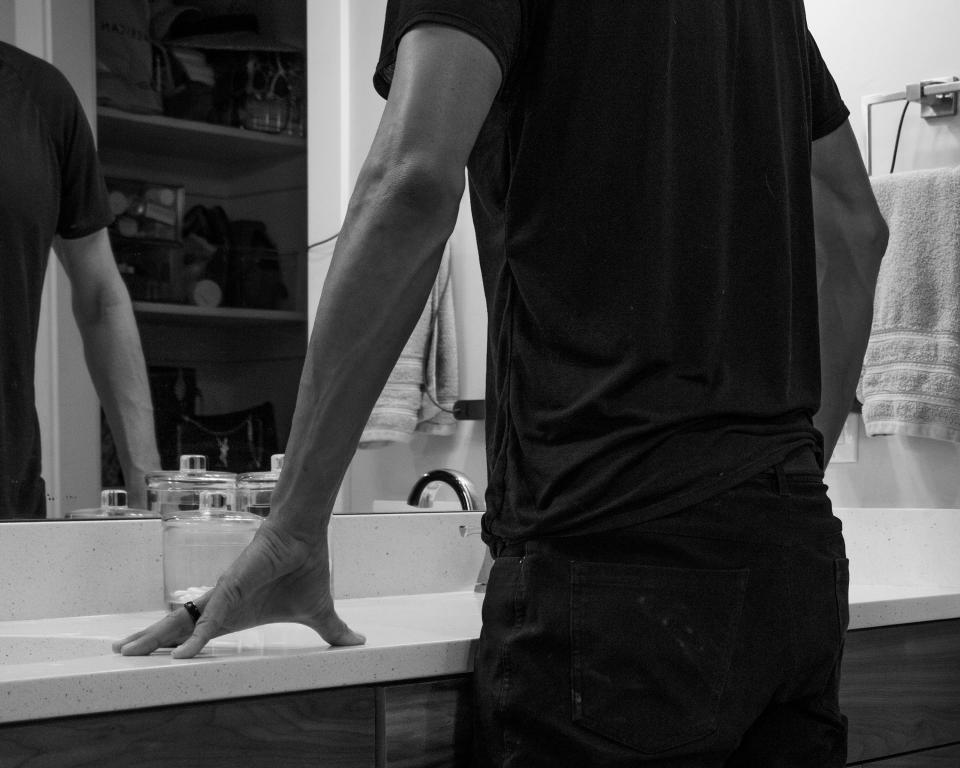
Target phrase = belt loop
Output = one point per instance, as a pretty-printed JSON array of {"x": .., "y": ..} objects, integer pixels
[{"x": 782, "y": 487}]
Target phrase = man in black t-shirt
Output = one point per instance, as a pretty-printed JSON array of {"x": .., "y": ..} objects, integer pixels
[
  {"x": 667, "y": 197},
  {"x": 53, "y": 195}
]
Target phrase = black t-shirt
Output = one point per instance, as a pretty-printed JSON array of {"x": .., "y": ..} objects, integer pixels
[
  {"x": 50, "y": 183},
  {"x": 641, "y": 197}
]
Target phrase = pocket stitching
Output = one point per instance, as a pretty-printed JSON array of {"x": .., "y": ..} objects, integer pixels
[{"x": 715, "y": 679}]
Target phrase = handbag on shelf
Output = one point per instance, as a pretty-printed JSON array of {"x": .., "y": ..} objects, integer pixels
[{"x": 241, "y": 441}]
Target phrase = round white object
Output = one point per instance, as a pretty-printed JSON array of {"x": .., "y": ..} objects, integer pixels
[{"x": 207, "y": 293}]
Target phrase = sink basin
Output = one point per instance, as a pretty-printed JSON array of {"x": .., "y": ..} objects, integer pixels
[{"x": 27, "y": 649}]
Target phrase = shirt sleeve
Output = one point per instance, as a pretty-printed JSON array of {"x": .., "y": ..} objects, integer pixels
[
  {"x": 829, "y": 111},
  {"x": 84, "y": 206},
  {"x": 495, "y": 23}
]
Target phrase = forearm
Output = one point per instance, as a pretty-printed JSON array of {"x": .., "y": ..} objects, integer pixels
[
  {"x": 848, "y": 264},
  {"x": 851, "y": 237},
  {"x": 116, "y": 363},
  {"x": 383, "y": 268},
  {"x": 845, "y": 318}
]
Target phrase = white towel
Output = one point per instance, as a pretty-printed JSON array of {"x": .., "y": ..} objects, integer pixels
[
  {"x": 425, "y": 383},
  {"x": 910, "y": 383}
]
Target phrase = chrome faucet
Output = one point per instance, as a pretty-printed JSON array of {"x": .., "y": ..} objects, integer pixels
[{"x": 425, "y": 490}]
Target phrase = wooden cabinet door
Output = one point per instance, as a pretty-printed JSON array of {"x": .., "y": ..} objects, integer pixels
[
  {"x": 944, "y": 757},
  {"x": 321, "y": 729},
  {"x": 900, "y": 689},
  {"x": 426, "y": 724}
]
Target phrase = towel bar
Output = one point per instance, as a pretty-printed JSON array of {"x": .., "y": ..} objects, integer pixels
[{"x": 935, "y": 96}]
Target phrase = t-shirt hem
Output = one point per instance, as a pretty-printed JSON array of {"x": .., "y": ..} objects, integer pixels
[
  {"x": 668, "y": 506},
  {"x": 75, "y": 233},
  {"x": 383, "y": 76},
  {"x": 830, "y": 123}
]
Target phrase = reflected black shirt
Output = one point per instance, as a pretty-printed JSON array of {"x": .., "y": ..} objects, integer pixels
[
  {"x": 641, "y": 196},
  {"x": 50, "y": 183}
]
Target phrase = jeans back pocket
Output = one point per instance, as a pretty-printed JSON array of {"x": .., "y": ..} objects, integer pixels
[{"x": 652, "y": 648}]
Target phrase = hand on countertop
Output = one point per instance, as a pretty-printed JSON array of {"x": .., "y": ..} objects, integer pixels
[{"x": 277, "y": 578}]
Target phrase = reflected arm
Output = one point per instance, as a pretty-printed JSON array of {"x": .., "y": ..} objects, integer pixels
[
  {"x": 851, "y": 238},
  {"x": 114, "y": 356}
]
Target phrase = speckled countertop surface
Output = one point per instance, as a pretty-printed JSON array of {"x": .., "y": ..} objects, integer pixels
[
  {"x": 64, "y": 666},
  {"x": 59, "y": 667},
  {"x": 882, "y": 605}
]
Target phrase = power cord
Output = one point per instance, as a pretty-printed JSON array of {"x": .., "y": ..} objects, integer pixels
[
  {"x": 896, "y": 144},
  {"x": 334, "y": 236}
]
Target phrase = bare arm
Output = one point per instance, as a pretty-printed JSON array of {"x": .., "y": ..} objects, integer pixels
[
  {"x": 111, "y": 346},
  {"x": 851, "y": 238},
  {"x": 403, "y": 209},
  {"x": 401, "y": 213}
]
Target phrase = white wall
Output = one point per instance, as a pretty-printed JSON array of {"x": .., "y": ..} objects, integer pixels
[{"x": 878, "y": 46}]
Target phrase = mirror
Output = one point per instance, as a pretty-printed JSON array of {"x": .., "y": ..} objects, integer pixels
[
  {"x": 238, "y": 355},
  {"x": 867, "y": 52}
]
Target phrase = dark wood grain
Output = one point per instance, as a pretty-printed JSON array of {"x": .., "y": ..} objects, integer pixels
[
  {"x": 428, "y": 724},
  {"x": 944, "y": 757},
  {"x": 323, "y": 729},
  {"x": 901, "y": 688}
]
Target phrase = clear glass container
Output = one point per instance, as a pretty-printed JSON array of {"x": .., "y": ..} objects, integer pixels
[
  {"x": 113, "y": 505},
  {"x": 179, "y": 490},
  {"x": 200, "y": 544},
  {"x": 255, "y": 489}
]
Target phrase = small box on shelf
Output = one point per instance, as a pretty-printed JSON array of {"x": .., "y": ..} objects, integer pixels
[
  {"x": 153, "y": 270},
  {"x": 146, "y": 210}
]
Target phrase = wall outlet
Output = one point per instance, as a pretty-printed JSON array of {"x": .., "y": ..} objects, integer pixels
[{"x": 846, "y": 450}]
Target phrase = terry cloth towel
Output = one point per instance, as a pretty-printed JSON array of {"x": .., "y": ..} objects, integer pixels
[
  {"x": 910, "y": 383},
  {"x": 425, "y": 383}
]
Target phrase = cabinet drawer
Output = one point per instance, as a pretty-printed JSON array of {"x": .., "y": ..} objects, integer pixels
[
  {"x": 944, "y": 757},
  {"x": 900, "y": 689},
  {"x": 321, "y": 729},
  {"x": 426, "y": 724}
]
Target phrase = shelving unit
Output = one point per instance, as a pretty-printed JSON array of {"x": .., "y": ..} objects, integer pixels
[
  {"x": 235, "y": 150},
  {"x": 187, "y": 314},
  {"x": 242, "y": 356}
]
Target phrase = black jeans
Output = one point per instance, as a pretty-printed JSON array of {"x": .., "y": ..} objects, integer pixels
[{"x": 711, "y": 637}]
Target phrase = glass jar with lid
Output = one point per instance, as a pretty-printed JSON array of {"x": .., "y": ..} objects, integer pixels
[
  {"x": 179, "y": 490},
  {"x": 255, "y": 489},
  {"x": 200, "y": 544},
  {"x": 113, "y": 506}
]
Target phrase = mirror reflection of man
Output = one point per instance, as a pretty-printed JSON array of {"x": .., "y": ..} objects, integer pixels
[{"x": 52, "y": 195}]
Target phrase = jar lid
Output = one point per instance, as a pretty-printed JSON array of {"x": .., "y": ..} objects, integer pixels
[
  {"x": 276, "y": 464},
  {"x": 113, "y": 505},
  {"x": 192, "y": 473},
  {"x": 213, "y": 506}
]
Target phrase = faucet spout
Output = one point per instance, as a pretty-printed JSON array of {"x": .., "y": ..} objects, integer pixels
[
  {"x": 425, "y": 489},
  {"x": 423, "y": 492}
]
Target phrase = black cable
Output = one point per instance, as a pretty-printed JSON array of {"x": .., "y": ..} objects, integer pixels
[
  {"x": 896, "y": 144},
  {"x": 325, "y": 240}
]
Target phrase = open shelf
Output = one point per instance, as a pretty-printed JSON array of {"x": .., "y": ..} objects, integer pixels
[
  {"x": 167, "y": 137},
  {"x": 188, "y": 313}
]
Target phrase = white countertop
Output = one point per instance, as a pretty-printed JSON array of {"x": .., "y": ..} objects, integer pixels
[
  {"x": 882, "y": 605},
  {"x": 408, "y": 637},
  {"x": 64, "y": 666}
]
